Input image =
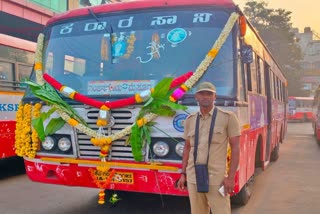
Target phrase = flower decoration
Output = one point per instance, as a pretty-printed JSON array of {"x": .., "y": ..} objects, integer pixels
[{"x": 101, "y": 184}]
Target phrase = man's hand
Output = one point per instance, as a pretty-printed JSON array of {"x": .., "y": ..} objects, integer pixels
[
  {"x": 181, "y": 182},
  {"x": 228, "y": 184}
]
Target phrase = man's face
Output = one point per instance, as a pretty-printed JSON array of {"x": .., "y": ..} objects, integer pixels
[{"x": 205, "y": 98}]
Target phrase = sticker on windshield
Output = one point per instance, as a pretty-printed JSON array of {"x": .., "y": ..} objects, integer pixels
[
  {"x": 153, "y": 48},
  {"x": 122, "y": 46},
  {"x": 122, "y": 87},
  {"x": 177, "y": 35},
  {"x": 178, "y": 122}
]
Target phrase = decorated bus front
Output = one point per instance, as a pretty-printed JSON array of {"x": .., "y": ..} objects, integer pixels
[{"x": 114, "y": 91}]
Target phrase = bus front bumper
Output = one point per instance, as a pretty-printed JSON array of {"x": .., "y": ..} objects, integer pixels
[{"x": 133, "y": 177}]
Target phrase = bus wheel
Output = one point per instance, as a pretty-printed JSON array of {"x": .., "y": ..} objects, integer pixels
[
  {"x": 242, "y": 197},
  {"x": 275, "y": 153}
]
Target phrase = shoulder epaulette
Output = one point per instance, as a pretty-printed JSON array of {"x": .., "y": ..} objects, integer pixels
[{"x": 192, "y": 114}]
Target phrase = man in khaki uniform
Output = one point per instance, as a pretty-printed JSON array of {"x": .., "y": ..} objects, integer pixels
[{"x": 226, "y": 130}]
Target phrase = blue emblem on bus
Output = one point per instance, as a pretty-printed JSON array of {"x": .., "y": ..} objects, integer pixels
[
  {"x": 178, "y": 122},
  {"x": 176, "y": 36}
]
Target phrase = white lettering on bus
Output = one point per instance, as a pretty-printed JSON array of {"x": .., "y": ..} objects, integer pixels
[
  {"x": 9, "y": 107},
  {"x": 66, "y": 29},
  {"x": 162, "y": 20},
  {"x": 95, "y": 26},
  {"x": 125, "y": 23},
  {"x": 201, "y": 17}
]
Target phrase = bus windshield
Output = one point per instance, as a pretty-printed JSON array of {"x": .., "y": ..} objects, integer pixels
[{"x": 123, "y": 54}]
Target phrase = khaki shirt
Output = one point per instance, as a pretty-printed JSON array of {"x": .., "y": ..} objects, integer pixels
[{"x": 226, "y": 125}]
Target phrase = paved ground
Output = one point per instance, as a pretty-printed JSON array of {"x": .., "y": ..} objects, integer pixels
[
  {"x": 289, "y": 186},
  {"x": 292, "y": 184}
]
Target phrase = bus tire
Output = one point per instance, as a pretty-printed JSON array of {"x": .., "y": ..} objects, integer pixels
[
  {"x": 275, "y": 153},
  {"x": 242, "y": 197}
]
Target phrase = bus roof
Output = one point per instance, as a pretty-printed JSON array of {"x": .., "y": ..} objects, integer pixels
[
  {"x": 138, "y": 4},
  {"x": 18, "y": 43}
]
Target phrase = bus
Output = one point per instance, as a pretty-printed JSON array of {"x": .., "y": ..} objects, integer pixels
[
  {"x": 316, "y": 114},
  {"x": 119, "y": 80},
  {"x": 16, "y": 61},
  {"x": 300, "y": 108}
]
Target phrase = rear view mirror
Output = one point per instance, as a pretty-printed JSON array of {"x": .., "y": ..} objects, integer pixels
[{"x": 246, "y": 53}]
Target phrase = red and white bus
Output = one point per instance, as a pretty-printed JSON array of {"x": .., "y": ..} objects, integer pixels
[
  {"x": 316, "y": 114},
  {"x": 16, "y": 60},
  {"x": 112, "y": 53},
  {"x": 300, "y": 108}
]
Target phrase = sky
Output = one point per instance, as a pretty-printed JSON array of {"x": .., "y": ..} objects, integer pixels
[{"x": 305, "y": 13}]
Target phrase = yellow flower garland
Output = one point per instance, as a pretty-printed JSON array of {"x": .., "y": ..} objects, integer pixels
[{"x": 26, "y": 139}]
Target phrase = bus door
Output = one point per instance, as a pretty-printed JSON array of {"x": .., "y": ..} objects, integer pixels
[{"x": 269, "y": 90}]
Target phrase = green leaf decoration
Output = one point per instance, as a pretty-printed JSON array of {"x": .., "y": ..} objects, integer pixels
[
  {"x": 164, "y": 111},
  {"x": 54, "y": 125},
  {"x": 136, "y": 144},
  {"x": 46, "y": 115},
  {"x": 37, "y": 124},
  {"x": 48, "y": 94},
  {"x": 162, "y": 88},
  {"x": 158, "y": 104},
  {"x": 146, "y": 133}
]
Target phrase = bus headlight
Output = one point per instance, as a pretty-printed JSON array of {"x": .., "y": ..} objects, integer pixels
[
  {"x": 64, "y": 144},
  {"x": 48, "y": 143},
  {"x": 161, "y": 148},
  {"x": 179, "y": 148}
]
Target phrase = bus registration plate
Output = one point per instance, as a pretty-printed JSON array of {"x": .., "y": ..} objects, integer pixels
[{"x": 118, "y": 177}]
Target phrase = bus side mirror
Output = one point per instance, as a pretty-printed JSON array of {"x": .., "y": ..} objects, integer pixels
[{"x": 246, "y": 53}]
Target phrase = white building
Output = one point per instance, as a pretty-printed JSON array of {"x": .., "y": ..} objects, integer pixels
[{"x": 309, "y": 42}]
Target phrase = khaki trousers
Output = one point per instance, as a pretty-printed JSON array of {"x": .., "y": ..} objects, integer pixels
[{"x": 202, "y": 202}]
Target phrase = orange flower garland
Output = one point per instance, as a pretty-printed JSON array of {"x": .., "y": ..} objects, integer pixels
[{"x": 102, "y": 185}]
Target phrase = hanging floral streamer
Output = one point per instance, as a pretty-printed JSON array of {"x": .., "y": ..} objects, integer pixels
[
  {"x": 102, "y": 184},
  {"x": 26, "y": 145}
]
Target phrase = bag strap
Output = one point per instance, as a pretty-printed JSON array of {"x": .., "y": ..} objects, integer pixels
[{"x": 196, "y": 140}]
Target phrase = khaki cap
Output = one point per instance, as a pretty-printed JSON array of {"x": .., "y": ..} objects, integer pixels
[{"x": 206, "y": 86}]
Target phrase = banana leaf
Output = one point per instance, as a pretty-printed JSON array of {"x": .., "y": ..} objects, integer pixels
[
  {"x": 48, "y": 94},
  {"x": 162, "y": 88},
  {"x": 54, "y": 125},
  {"x": 136, "y": 143},
  {"x": 37, "y": 124}
]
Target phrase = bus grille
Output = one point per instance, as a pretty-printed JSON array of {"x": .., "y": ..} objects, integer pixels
[{"x": 119, "y": 149}]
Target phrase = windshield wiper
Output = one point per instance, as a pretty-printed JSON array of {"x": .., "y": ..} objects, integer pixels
[{"x": 110, "y": 32}]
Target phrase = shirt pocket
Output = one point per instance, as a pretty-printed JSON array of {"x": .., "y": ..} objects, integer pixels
[{"x": 219, "y": 135}]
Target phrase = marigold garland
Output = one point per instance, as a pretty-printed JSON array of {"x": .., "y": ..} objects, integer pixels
[
  {"x": 35, "y": 138},
  {"x": 26, "y": 139},
  {"x": 102, "y": 184}
]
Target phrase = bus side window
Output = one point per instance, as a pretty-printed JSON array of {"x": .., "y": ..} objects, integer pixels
[
  {"x": 261, "y": 77},
  {"x": 6, "y": 74},
  {"x": 248, "y": 77},
  {"x": 23, "y": 74},
  {"x": 253, "y": 69}
]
